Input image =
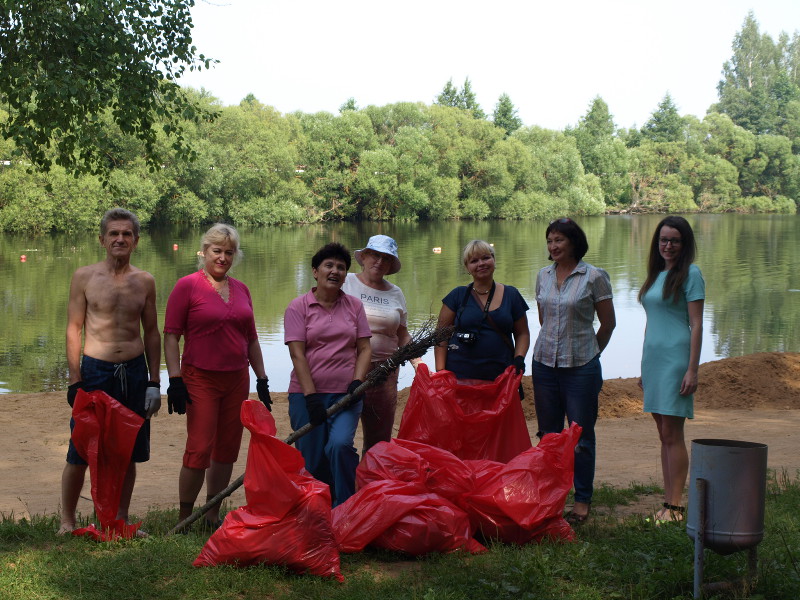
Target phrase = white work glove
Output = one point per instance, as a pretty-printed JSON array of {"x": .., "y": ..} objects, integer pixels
[{"x": 152, "y": 399}]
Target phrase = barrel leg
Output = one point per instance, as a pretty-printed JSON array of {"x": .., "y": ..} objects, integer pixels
[
  {"x": 752, "y": 567},
  {"x": 700, "y": 537}
]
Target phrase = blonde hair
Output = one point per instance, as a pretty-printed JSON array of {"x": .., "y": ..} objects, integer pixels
[
  {"x": 476, "y": 247},
  {"x": 221, "y": 235}
]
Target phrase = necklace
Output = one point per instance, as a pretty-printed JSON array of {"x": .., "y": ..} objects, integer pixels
[
  {"x": 215, "y": 282},
  {"x": 221, "y": 287},
  {"x": 484, "y": 292}
]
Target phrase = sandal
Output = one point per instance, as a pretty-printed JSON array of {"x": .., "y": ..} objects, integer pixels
[
  {"x": 671, "y": 513},
  {"x": 574, "y": 518},
  {"x": 675, "y": 512}
]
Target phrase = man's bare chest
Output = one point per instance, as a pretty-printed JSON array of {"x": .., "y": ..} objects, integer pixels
[{"x": 109, "y": 296}]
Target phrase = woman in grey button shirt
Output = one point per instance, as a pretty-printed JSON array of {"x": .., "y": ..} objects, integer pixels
[{"x": 567, "y": 376}]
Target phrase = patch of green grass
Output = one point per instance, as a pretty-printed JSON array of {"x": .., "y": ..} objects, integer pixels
[
  {"x": 612, "y": 558},
  {"x": 606, "y": 495}
]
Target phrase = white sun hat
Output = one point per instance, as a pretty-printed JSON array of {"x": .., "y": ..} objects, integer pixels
[{"x": 385, "y": 245}]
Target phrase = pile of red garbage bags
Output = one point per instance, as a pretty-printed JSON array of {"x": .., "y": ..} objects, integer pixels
[
  {"x": 412, "y": 496},
  {"x": 417, "y": 499}
]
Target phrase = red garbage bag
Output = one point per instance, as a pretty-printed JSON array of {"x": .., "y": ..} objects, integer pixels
[
  {"x": 407, "y": 489},
  {"x": 287, "y": 519},
  {"x": 471, "y": 421},
  {"x": 402, "y": 516},
  {"x": 104, "y": 434},
  {"x": 435, "y": 469},
  {"x": 524, "y": 500}
]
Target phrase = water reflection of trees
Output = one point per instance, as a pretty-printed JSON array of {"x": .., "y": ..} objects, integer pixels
[{"x": 749, "y": 263}]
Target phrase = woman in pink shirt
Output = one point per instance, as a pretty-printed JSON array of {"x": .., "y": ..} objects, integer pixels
[
  {"x": 214, "y": 314},
  {"x": 328, "y": 337}
]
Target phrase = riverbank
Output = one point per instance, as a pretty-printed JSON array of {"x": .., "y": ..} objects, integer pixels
[{"x": 754, "y": 398}]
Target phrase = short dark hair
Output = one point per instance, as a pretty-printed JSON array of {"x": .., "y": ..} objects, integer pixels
[
  {"x": 576, "y": 236},
  {"x": 119, "y": 214},
  {"x": 331, "y": 250}
]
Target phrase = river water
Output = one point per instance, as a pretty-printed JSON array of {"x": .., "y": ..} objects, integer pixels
[{"x": 749, "y": 263}]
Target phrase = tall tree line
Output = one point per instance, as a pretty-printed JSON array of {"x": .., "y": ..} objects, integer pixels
[{"x": 252, "y": 165}]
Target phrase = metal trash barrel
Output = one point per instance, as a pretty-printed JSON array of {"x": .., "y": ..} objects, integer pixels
[{"x": 736, "y": 476}]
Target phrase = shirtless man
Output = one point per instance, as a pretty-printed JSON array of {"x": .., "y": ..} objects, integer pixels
[{"x": 108, "y": 301}]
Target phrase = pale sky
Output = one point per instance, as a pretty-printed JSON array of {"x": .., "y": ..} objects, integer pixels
[{"x": 552, "y": 58}]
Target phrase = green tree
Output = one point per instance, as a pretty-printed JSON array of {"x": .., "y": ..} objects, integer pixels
[
  {"x": 665, "y": 124},
  {"x": 658, "y": 179},
  {"x": 450, "y": 95},
  {"x": 727, "y": 140},
  {"x": 596, "y": 126},
  {"x": 557, "y": 183},
  {"x": 251, "y": 178},
  {"x": 387, "y": 120},
  {"x": 329, "y": 153},
  {"x": 602, "y": 154},
  {"x": 349, "y": 104},
  {"x": 67, "y": 62},
  {"x": 463, "y": 98},
  {"x": 750, "y": 90},
  {"x": 505, "y": 115},
  {"x": 469, "y": 102},
  {"x": 773, "y": 170}
]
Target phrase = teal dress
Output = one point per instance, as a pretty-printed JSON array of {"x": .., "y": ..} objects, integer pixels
[{"x": 665, "y": 356}]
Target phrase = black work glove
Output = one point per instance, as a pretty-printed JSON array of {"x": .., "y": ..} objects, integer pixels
[
  {"x": 177, "y": 396},
  {"x": 519, "y": 364},
  {"x": 262, "y": 387},
  {"x": 521, "y": 393},
  {"x": 72, "y": 392},
  {"x": 317, "y": 414},
  {"x": 353, "y": 386}
]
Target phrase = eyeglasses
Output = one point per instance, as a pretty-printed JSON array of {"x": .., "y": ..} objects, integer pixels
[
  {"x": 667, "y": 241},
  {"x": 561, "y": 220}
]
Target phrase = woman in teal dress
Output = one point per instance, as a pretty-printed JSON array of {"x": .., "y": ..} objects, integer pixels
[{"x": 672, "y": 296}]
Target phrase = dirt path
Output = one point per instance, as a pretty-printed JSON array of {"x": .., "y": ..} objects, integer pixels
[{"x": 754, "y": 398}]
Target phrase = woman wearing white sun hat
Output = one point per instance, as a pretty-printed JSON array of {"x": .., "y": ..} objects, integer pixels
[{"x": 387, "y": 315}]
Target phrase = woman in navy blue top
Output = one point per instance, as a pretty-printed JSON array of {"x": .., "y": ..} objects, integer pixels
[{"x": 491, "y": 326}]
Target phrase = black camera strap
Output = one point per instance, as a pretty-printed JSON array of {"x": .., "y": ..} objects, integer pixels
[
  {"x": 488, "y": 317},
  {"x": 467, "y": 296}
]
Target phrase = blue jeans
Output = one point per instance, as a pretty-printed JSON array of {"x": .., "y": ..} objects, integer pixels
[
  {"x": 572, "y": 392},
  {"x": 328, "y": 450}
]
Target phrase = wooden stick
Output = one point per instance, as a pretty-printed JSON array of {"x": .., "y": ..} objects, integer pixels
[{"x": 425, "y": 337}]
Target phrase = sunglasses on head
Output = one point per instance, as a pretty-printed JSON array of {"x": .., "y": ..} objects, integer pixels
[{"x": 561, "y": 220}]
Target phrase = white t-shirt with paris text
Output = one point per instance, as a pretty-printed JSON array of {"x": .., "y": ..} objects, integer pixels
[{"x": 386, "y": 311}]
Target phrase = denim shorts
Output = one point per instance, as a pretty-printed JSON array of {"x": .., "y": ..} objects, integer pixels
[{"x": 125, "y": 382}]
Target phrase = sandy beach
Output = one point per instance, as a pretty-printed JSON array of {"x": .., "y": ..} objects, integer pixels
[{"x": 754, "y": 398}]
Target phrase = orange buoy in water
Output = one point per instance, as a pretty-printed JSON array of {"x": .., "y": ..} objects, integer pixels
[
  {"x": 174, "y": 246},
  {"x": 23, "y": 258}
]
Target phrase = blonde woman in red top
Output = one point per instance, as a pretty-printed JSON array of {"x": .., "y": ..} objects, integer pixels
[{"x": 213, "y": 312}]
